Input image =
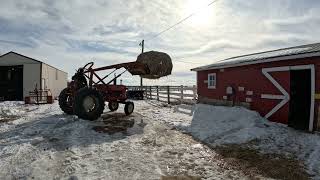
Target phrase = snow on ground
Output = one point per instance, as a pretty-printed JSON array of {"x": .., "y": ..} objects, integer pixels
[
  {"x": 163, "y": 113},
  {"x": 218, "y": 125},
  {"x": 235, "y": 125},
  {"x": 11, "y": 109},
  {"x": 44, "y": 143}
]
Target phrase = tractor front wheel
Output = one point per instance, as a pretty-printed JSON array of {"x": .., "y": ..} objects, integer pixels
[
  {"x": 65, "y": 101},
  {"x": 128, "y": 108},
  {"x": 113, "y": 106},
  {"x": 88, "y": 104}
]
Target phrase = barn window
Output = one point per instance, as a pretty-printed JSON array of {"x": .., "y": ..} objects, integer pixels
[{"x": 212, "y": 80}]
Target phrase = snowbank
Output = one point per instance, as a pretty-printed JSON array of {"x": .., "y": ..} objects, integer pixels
[
  {"x": 164, "y": 113},
  {"x": 221, "y": 125},
  {"x": 11, "y": 108},
  {"x": 235, "y": 125}
]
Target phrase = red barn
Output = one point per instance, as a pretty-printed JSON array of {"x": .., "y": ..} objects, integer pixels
[{"x": 282, "y": 85}]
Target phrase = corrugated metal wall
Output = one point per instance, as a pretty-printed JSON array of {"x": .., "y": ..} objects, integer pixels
[{"x": 53, "y": 79}]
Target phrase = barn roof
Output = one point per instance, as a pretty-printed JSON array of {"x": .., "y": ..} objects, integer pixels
[
  {"x": 309, "y": 50},
  {"x": 29, "y": 58}
]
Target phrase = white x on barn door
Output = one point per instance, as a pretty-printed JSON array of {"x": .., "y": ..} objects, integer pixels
[{"x": 285, "y": 97}]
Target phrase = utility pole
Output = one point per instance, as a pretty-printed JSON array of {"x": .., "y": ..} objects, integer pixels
[{"x": 142, "y": 50}]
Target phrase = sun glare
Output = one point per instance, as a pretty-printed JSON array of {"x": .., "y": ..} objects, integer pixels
[{"x": 203, "y": 13}]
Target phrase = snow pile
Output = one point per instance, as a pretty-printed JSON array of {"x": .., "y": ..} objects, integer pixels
[
  {"x": 235, "y": 125},
  {"x": 163, "y": 112},
  {"x": 9, "y": 109},
  {"x": 221, "y": 125}
]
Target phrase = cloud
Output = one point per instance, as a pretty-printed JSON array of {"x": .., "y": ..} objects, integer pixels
[
  {"x": 95, "y": 46},
  {"x": 68, "y": 34},
  {"x": 299, "y": 24},
  {"x": 16, "y": 43}
]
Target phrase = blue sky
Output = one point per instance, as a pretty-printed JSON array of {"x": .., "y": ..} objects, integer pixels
[{"x": 70, "y": 33}]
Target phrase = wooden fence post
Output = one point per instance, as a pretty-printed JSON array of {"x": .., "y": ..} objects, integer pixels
[
  {"x": 145, "y": 91},
  {"x": 181, "y": 91},
  {"x": 157, "y": 93},
  {"x": 168, "y": 93},
  {"x": 150, "y": 93},
  {"x": 194, "y": 89}
]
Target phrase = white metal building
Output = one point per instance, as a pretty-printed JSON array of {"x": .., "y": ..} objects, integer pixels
[{"x": 20, "y": 74}]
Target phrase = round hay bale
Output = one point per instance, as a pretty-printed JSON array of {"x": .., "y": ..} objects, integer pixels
[{"x": 159, "y": 64}]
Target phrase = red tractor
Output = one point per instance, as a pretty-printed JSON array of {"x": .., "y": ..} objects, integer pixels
[{"x": 86, "y": 94}]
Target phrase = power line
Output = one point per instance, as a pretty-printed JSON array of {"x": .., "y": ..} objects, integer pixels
[
  {"x": 176, "y": 24},
  {"x": 186, "y": 62},
  {"x": 178, "y": 59},
  {"x": 179, "y": 22}
]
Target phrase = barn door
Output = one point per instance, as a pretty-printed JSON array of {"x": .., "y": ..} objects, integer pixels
[
  {"x": 300, "y": 99},
  {"x": 11, "y": 83},
  {"x": 301, "y": 95}
]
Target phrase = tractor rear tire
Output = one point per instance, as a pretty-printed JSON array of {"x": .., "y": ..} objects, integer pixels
[
  {"x": 113, "y": 106},
  {"x": 64, "y": 103},
  {"x": 128, "y": 108},
  {"x": 88, "y": 104}
]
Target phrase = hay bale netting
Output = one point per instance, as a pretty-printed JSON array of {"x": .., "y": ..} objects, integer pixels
[{"x": 159, "y": 64}]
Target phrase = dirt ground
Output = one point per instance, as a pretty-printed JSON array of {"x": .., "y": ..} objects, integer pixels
[{"x": 251, "y": 162}]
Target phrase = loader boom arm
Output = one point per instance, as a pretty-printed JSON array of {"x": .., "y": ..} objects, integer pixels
[{"x": 135, "y": 68}]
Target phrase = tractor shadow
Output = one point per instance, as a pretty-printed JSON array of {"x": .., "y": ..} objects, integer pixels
[{"x": 61, "y": 132}]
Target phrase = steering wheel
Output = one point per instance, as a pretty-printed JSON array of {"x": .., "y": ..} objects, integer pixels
[{"x": 90, "y": 64}]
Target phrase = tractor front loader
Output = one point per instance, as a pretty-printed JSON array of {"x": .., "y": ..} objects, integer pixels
[{"x": 86, "y": 94}]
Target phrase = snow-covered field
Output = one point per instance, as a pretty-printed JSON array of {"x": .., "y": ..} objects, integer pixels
[
  {"x": 40, "y": 142},
  {"x": 44, "y": 143}
]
